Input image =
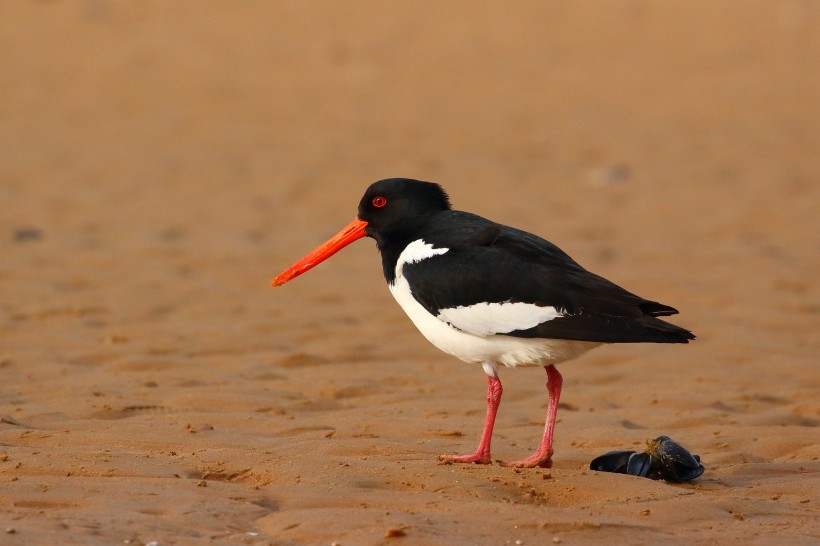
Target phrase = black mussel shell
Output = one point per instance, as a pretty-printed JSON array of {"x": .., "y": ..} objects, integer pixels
[
  {"x": 663, "y": 459},
  {"x": 611, "y": 461}
]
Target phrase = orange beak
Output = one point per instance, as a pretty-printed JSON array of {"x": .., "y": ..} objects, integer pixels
[{"x": 353, "y": 232}]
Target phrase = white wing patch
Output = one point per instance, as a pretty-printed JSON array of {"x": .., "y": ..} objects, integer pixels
[{"x": 487, "y": 319}]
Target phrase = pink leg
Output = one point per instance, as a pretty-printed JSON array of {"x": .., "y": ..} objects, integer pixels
[
  {"x": 482, "y": 454},
  {"x": 543, "y": 456}
]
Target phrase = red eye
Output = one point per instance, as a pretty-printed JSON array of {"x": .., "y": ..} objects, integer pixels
[{"x": 379, "y": 201}]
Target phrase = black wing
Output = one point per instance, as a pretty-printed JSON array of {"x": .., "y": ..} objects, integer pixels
[{"x": 490, "y": 263}]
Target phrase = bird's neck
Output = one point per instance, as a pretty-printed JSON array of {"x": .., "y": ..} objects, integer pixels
[{"x": 390, "y": 249}]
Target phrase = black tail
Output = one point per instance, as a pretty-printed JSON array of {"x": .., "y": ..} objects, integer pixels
[{"x": 661, "y": 331}]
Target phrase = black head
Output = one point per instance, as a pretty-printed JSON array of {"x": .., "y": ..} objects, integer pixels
[
  {"x": 392, "y": 211},
  {"x": 398, "y": 207}
]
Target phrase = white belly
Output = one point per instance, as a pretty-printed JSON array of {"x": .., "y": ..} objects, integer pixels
[{"x": 495, "y": 349}]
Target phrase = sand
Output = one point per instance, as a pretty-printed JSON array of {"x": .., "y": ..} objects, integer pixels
[{"x": 160, "y": 162}]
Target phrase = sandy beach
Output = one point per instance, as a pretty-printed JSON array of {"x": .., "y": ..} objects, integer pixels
[{"x": 160, "y": 162}]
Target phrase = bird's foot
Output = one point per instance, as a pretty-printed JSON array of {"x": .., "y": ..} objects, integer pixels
[
  {"x": 536, "y": 460},
  {"x": 478, "y": 457}
]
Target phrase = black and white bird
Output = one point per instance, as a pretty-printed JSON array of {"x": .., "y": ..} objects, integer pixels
[{"x": 492, "y": 295}]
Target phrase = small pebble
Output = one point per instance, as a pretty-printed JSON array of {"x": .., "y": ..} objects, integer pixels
[{"x": 23, "y": 235}]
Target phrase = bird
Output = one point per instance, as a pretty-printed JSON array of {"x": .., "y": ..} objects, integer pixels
[{"x": 492, "y": 295}]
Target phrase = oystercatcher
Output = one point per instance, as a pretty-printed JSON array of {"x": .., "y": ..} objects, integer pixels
[{"x": 491, "y": 294}]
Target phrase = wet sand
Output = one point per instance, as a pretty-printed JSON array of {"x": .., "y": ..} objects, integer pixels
[{"x": 161, "y": 162}]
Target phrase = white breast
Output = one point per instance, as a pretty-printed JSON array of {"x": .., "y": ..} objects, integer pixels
[{"x": 475, "y": 333}]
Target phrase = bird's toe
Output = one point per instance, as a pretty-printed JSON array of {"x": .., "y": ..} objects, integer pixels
[{"x": 475, "y": 458}]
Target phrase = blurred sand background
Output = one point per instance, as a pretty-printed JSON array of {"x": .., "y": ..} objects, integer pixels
[{"x": 160, "y": 162}]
